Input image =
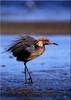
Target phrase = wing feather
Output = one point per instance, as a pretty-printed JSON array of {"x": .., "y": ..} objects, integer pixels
[{"x": 25, "y": 43}]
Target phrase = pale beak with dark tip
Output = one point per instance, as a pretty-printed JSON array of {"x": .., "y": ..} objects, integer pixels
[{"x": 53, "y": 43}]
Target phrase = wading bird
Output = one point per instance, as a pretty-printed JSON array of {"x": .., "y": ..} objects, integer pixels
[{"x": 28, "y": 48}]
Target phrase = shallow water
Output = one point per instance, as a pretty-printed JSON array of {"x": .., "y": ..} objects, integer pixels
[{"x": 50, "y": 72}]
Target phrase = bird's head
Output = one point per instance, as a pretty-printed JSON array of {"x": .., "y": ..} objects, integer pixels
[{"x": 44, "y": 41}]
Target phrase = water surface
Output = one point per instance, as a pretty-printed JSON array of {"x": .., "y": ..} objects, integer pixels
[{"x": 50, "y": 71}]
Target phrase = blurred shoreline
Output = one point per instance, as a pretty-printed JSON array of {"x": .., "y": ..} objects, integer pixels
[{"x": 50, "y": 28}]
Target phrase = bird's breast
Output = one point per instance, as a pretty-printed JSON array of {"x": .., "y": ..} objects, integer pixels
[{"x": 37, "y": 52}]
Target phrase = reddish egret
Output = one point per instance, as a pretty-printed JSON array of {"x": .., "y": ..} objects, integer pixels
[{"x": 28, "y": 48}]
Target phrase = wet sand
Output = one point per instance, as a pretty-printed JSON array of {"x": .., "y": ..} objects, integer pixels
[
  {"x": 35, "y": 28},
  {"x": 44, "y": 85}
]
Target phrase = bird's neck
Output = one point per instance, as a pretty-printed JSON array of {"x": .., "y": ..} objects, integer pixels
[
  {"x": 40, "y": 43},
  {"x": 40, "y": 48}
]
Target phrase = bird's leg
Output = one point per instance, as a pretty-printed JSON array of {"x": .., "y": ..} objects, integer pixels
[
  {"x": 30, "y": 78},
  {"x": 25, "y": 74}
]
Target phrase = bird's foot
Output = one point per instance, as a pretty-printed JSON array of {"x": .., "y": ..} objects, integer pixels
[
  {"x": 25, "y": 82},
  {"x": 30, "y": 80}
]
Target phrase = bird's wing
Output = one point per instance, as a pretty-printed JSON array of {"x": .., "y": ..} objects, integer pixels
[{"x": 23, "y": 44}]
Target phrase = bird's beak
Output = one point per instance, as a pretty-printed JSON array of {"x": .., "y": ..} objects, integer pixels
[{"x": 53, "y": 43}]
